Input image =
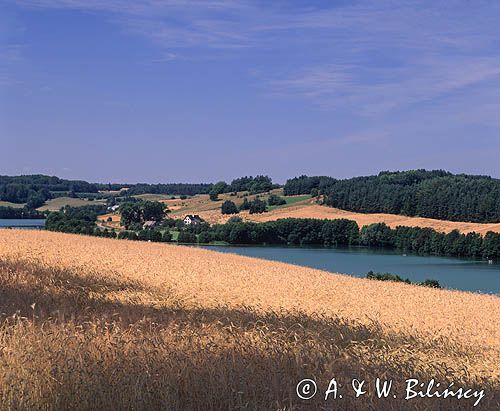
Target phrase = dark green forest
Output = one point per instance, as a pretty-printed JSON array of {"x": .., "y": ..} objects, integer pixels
[{"x": 433, "y": 194}]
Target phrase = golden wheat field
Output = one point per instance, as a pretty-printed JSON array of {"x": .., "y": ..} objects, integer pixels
[{"x": 94, "y": 323}]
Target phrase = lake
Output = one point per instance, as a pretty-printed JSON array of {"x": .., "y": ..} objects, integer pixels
[
  {"x": 22, "y": 223},
  {"x": 452, "y": 273}
]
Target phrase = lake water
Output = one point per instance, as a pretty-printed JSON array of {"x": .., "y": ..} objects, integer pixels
[
  {"x": 22, "y": 223},
  {"x": 453, "y": 273}
]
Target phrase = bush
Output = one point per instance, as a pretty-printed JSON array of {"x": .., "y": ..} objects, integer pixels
[
  {"x": 386, "y": 277},
  {"x": 394, "y": 277},
  {"x": 228, "y": 207},
  {"x": 275, "y": 200},
  {"x": 257, "y": 206},
  {"x": 213, "y": 195},
  {"x": 431, "y": 283},
  {"x": 245, "y": 205}
]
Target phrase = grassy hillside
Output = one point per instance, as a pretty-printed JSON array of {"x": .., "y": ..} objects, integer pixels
[{"x": 110, "y": 324}]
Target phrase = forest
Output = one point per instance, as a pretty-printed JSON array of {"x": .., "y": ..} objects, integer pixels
[{"x": 434, "y": 194}]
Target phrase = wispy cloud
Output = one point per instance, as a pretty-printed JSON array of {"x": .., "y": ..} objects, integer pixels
[
  {"x": 169, "y": 23},
  {"x": 373, "y": 56},
  {"x": 377, "y": 89}
]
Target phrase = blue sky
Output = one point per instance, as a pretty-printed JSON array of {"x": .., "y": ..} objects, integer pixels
[{"x": 180, "y": 90}]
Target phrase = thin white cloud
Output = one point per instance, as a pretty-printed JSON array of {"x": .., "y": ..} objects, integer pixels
[
  {"x": 373, "y": 56},
  {"x": 373, "y": 90}
]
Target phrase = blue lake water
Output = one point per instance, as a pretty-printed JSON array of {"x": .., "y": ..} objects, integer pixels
[
  {"x": 22, "y": 223},
  {"x": 453, "y": 273}
]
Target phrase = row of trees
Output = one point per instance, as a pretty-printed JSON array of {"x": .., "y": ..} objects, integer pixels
[
  {"x": 308, "y": 185},
  {"x": 254, "y": 185},
  {"x": 256, "y": 206},
  {"x": 257, "y": 184},
  {"x": 173, "y": 188},
  {"x": 20, "y": 213},
  {"x": 396, "y": 278},
  {"x": 344, "y": 232}
]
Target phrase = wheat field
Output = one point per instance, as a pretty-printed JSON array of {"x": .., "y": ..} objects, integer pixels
[{"x": 93, "y": 323}]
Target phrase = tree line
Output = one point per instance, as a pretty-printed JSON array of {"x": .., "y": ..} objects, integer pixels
[
  {"x": 396, "y": 278},
  {"x": 19, "y": 213},
  {"x": 433, "y": 194},
  {"x": 36, "y": 189},
  {"x": 343, "y": 232},
  {"x": 307, "y": 185}
]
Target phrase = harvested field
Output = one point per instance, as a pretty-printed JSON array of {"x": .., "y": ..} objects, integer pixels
[{"x": 93, "y": 323}]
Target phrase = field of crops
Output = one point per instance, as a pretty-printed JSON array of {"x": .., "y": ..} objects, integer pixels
[{"x": 93, "y": 323}]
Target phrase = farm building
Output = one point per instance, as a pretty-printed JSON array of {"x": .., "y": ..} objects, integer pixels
[
  {"x": 149, "y": 224},
  {"x": 192, "y": 219}
]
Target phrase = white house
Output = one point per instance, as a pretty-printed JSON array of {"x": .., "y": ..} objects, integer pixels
[{"x": 192, "y": 219}]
